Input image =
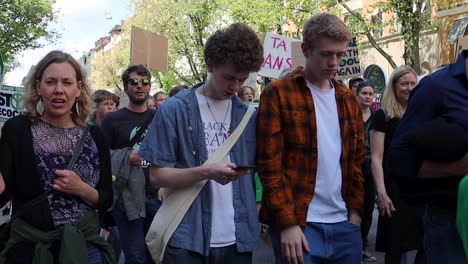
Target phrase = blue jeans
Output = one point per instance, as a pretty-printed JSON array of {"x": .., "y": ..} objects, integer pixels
[
  {"x": 132, "y": 236},
  {"x": 221, "y": 255},
  {"x": 94, "y": 254},
  {"x": 329, "y": 243},
  {"x": 441, "y": 240}
]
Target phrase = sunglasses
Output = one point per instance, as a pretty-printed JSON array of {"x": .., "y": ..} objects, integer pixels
[{"x": 144, "y": 81}]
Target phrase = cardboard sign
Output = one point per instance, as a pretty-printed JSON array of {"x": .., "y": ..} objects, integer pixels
[
  {"x": 11, "y": 102},
  {"x": 149, "y": 49},
  {"x": 277, "y": 55},
  {"x": 462, "y": 44},
  {"x": 297, "y": 56}
]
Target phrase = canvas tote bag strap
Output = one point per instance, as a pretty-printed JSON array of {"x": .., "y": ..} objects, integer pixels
[{"x": 178, "y": 201}]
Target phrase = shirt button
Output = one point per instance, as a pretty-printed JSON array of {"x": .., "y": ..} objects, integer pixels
[
  {"x": 194, "y": 152},
  {"x": 190, "y": 128}
]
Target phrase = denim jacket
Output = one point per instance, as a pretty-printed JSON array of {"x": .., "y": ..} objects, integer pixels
[{"x": 176, "y": 139}]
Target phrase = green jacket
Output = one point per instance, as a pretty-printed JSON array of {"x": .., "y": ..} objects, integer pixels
[
  {"x": 462, "y": 212},
  {"x": 73, "y": 238}
]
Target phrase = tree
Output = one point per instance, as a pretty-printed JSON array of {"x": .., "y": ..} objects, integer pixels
[
  {"x": 106, "y": 69},
  {"x": 187, "y": 25},
  {"x": 414, "y": 17},
  {"x": 23, "y": 24}
]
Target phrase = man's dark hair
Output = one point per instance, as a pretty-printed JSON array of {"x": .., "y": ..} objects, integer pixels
[
  {"x": 177, "y": 89},
  {"x": 139, "y": 69},
  {"x": 364, "y": 84},
  {"x": 238, "y": 44},
  {"x": 354, "y": 80}
]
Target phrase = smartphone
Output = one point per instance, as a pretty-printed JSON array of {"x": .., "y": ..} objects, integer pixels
[{"x": 244, "y": 167}]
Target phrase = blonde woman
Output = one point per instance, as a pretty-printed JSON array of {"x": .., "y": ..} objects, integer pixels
[
  {"x": 399, "y": 226},
  {"x": 36, "y": 148}
]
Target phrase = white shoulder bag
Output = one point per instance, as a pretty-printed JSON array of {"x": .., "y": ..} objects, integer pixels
[{"x": 178, "y": 201}]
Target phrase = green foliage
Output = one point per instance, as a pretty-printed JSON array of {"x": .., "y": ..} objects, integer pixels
[
  {"x": 23, "y": 24},
  {"x": 412, "y": 16},
  {"x": 262, "y": 16}
]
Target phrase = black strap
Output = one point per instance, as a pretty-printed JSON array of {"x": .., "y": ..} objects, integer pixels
[
  {"x": 142, "y": 129},
  {"x": 46, "y": 194}
]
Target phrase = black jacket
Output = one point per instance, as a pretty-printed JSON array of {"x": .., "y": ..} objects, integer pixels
[{"x": 23, "y": 183}]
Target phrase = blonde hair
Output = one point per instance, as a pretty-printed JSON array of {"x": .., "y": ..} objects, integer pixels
[
  {"x": 325, "y": 25},
  {"x": 389, "y": 100},
  {"x": 31, "y": 97}
]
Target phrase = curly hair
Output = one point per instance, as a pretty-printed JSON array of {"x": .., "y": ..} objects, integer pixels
[
  {"x": 238, "y": 44},
  {"x": 139, "y": 69},
  {"x": 325, "y": 25},
  {"x": 31, "y": 97}
]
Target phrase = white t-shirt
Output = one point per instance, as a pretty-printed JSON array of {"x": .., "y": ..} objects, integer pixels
[
  {"x": 327, "y": 205},
  {"x": 223, "y": 230}
]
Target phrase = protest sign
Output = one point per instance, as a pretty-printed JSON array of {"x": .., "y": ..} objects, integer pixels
[
  {"x": 277, "y": 55},
  {"x": 349, "y": 66},
  {"x": 11, "y": 102},
  {"x": 149, "y": 49},
  {"x": 281, "y": 52}
]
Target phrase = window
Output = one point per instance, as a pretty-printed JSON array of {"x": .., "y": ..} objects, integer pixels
[
  {"x": 458, "y": 30},
  {"x": 377, "y": 25},
  {"x": 374, "y": 74},
  {"x": 397, "y": 23}
]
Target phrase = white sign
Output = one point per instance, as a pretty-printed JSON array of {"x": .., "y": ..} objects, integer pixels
[
  {"x": 281, "y": 52},
  {"x": 11, "y": 102},
  {"x": 277, "y": 55}
]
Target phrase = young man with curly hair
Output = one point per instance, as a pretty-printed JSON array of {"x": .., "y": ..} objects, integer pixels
[
  {"x": 310, "y": 147},
  {"x": 221, "y": 226}
]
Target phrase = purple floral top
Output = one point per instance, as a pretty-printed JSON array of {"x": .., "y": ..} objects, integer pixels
[{"x": 53, "y": 148}]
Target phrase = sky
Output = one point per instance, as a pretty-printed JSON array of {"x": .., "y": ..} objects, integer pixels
[{"x": 81, "y": 23}]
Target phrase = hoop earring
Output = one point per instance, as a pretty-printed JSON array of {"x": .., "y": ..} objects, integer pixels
[
  {"x": 40, "y": 106},
  {"x": 77, "y": 108}
]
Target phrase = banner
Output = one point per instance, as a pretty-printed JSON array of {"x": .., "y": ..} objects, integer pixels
[
  {"x": 11, "y": 102},
  {"x": 149, "y": 49}
]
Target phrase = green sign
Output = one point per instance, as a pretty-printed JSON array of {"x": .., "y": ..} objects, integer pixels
[{"x": 11, "y": 103}]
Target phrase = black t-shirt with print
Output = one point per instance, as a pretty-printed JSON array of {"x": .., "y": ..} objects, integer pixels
[{"x": 121, "y": 126}]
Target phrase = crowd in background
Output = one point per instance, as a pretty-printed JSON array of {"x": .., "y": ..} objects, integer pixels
[{"x": 317, "y": 154}]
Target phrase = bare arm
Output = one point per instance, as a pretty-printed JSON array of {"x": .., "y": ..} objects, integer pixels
[
  {"x": 434, "y": 169},
  {"x": 221, "y": 172},
  {"x": 377, "y": 148}
]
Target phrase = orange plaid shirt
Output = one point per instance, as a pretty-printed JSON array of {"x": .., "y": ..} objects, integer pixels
[{"x": 287, "y": 150}]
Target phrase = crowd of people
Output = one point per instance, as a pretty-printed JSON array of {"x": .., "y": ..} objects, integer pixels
[{"x": 199, "y": 175}]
